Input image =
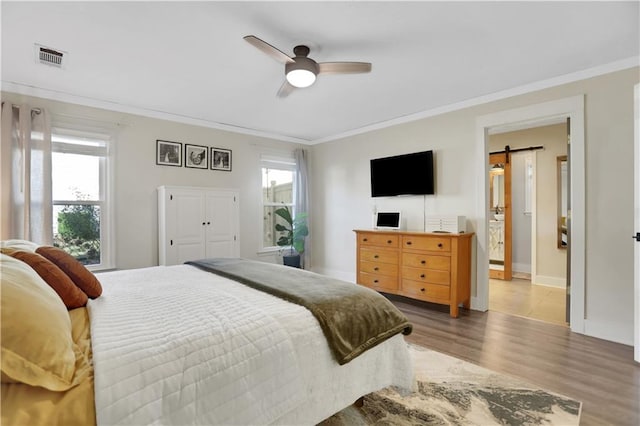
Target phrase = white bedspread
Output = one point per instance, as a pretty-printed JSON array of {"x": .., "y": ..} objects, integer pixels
[{"x": 177, "y": 345}]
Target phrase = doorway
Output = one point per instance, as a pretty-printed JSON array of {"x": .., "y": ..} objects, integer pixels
[
  {"x": 527, "y": 117},
  {"x": 532, "y": 281}
]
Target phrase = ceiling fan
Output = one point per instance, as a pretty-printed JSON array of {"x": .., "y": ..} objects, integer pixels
[{"x": 300, "y": 70}]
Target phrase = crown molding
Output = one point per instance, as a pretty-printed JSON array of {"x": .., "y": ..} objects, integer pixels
[
  {"x": 39, "y": 92},
  {"x": 54, "y": 95},
  {"x": 520, "y": 90}
]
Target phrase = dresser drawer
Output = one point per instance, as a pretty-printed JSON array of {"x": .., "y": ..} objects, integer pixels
[
  {"x": 378, "y": 282},
  {"x": 419, "y": 260},
  {"x": 424, "y": 291},
  {"x": 378, "y": 256},
  {"x": 380, "y": 240},
  {"x": 432, "y": 276},
  {"x": 389, "y": 269},
  {"x": 430, "y": 243}
]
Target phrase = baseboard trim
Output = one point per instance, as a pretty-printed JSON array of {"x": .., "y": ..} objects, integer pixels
[
  {"x": 334, "y": 273},
  {"x": 551, "y": 281},
  {"x": 609, "y": 330},
  {"x": 524, "y": 268}
]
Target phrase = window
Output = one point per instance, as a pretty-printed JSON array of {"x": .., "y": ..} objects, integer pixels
[
  {"x": 278, "y": 180},
  {"x": 79, "y": 167}
]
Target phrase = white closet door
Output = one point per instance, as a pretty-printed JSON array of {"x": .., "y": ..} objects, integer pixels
[
  {"x": 189, "y": 224},
  {"x": 222, "y": 219}
]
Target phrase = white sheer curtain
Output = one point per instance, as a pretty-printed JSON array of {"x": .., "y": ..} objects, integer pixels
[
  {"x": 301, "y": 198},
  {"x": 25, "y": 158}
]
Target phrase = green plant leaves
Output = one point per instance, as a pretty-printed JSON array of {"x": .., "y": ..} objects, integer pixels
[{"x": 295, "y": 232}]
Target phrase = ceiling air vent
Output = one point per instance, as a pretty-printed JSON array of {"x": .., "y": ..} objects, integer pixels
[{"x": 48, "y": 56}]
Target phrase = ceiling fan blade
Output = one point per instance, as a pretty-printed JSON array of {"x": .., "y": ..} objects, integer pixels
[
  {"x": 275, "y": 53},
  {"x": 344, "y": 67},
  {"x": 285, "y": 89}
]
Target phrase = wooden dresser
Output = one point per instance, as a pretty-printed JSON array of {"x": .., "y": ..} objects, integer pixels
[{"x": 434, "y": 267}]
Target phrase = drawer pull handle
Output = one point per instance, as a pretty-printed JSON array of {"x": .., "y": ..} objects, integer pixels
[
  {"x": 365, "y": 240},
  {"x": 375, "y": 256},
  {"x": 408, "y": 243},
  {"x": 389, "y": 241},
  {"x": 421, "y": 275},
  {"x": 375, "y": 281},
  {"x": 424, "y": 262},
  {"x": 422, "y": 289},
  {"x": 440, "y": 245},
  {"x": 376, "y": 268}
]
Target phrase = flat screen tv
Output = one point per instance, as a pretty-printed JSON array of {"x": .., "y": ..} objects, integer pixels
[{"x": 408, "y": 174}]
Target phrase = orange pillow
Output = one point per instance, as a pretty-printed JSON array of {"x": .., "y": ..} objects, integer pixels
[
  {"x": 70, "y": 294},
  {"x": 80, "y": 275}
]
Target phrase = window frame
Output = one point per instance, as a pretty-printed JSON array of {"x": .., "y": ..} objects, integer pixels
[
  {"x": 80, "y": 130},
  {"x": 276, "y": 162}
]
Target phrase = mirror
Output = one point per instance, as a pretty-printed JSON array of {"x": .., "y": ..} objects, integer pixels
[
  {"x": 496, "y": 189},
  {"x": 563, "y": 193}
]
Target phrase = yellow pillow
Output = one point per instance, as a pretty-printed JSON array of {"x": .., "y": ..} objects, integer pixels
[{"x": 37, "y": 346}]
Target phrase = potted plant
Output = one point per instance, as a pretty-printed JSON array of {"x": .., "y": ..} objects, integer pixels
[{"x": 294, "y": 231}]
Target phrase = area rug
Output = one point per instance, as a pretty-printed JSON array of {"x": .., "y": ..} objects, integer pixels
[{"x": 450, "y": 391}]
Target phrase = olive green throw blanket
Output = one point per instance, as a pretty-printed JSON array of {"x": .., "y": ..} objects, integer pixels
[{"x": 353, "y": 318}]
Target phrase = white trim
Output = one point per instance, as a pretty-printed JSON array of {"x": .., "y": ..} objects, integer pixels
[
  {"x": 334, "y": 273},
  {"x": 608, "y": 330},
  {"x": 39, "y": 92},
  {"x": 572, "y": 107},
  {"x": 547, "y": 281},
  {"x": 14, "y": 87},
  {"x": 522, "y": 268},
  {"x": 636, "y": 191},
  {"x": 534, "y": 218},
  {"x": 76, "y": 128},
  {"x": 527, "y": 88}
]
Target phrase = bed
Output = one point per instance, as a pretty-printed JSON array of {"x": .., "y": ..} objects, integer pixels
[{"x": 181, "y": 345}]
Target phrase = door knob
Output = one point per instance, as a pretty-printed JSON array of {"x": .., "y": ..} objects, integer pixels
[{"x": 637, "y": 236}]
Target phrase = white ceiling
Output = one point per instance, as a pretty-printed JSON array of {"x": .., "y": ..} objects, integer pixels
[{"x": 187, "y": 61}]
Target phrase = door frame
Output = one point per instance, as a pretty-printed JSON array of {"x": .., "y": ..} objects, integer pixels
[
  {"x": 506, "y": 273},
  {"x": 534, "y": 116},
  {"x": 636, "y": 191}
]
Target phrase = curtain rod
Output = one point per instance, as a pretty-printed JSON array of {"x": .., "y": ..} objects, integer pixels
[{"x": 36, "y": 110}]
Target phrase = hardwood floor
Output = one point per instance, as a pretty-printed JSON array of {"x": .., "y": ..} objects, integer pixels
[
  {"x": 521, "y": 297},
  {"x": 601, "y": 374}
]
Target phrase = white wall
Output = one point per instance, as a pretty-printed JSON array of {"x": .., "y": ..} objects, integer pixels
[
  {"x": 137, "y": 177},
  {"x": 341, "y": 185},
  {"x": 342, "y": 202}
]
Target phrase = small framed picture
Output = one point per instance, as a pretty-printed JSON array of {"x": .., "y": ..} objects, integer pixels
[
  {"x": 196, "y": 156},
  {"x": 168, "y": 153},
  {"x": 221, "y": 159}
]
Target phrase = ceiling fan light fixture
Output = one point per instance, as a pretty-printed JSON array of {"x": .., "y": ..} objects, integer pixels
[
  {"x": 302, "y": 72},
  {"x": 301, "y": 78}
]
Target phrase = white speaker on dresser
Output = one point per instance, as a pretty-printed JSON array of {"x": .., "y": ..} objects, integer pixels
[{"x": 446, "y": 223}]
